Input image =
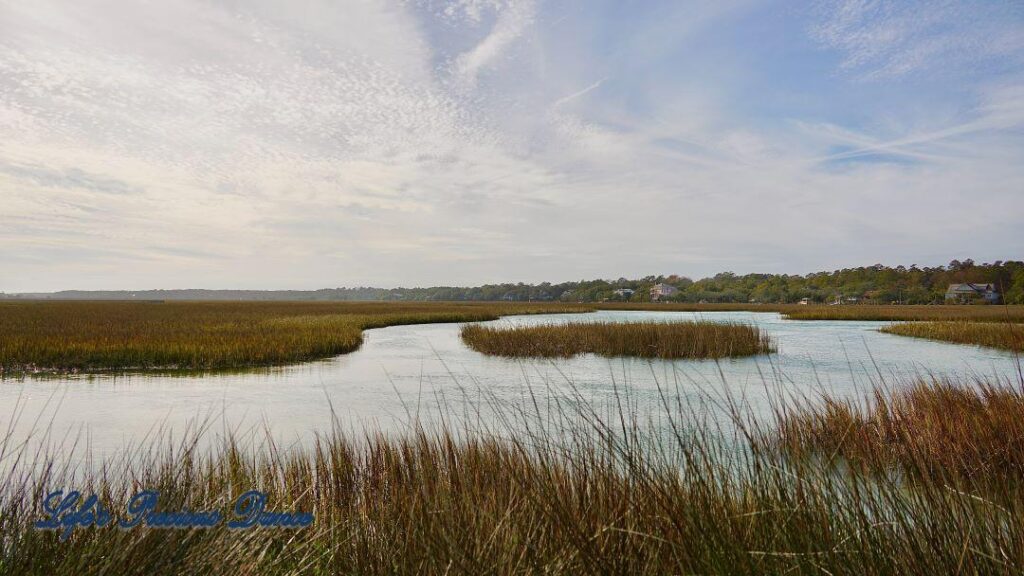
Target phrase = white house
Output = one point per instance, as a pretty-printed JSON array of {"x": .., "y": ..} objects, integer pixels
[
  {"x": 659, "y": 291},
  {"x": 966, "y": 293}
]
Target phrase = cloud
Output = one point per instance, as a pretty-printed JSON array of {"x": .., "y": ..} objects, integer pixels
[
  {"x": 889, "y": 38},
  {"x": 579, "y": 93},
  {"x": 511, "y": 23},
  {"x": 314, "y": 143},
  {"x": 68, "y": 178}
]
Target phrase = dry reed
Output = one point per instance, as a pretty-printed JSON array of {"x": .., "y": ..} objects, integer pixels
[{"x": 934, "y": 430}]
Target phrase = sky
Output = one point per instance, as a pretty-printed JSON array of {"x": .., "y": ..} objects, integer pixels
[{"x": 302, "y": 144}]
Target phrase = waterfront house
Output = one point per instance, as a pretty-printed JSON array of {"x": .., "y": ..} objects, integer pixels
[
  {"x": 659, "y": 291},
  {"x": 624, "y": 293},
  {"x": 841, "y": 300},
  {"x": 969, "y": 292}
]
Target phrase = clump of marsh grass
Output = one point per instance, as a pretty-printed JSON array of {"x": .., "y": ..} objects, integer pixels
[
  {"x": 933, "y": 430},
  {"x": 641, "y": 339},
  {"x": 698, "y": 307},
  {"x": 1008, "y": 335},
  {"x": 57, "y": 336}
]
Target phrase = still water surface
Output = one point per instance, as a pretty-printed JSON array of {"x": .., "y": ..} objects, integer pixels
[{"x": 405, "y": 370}]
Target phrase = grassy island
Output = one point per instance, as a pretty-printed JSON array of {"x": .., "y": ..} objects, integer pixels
[{"x": 640, "y": 339}]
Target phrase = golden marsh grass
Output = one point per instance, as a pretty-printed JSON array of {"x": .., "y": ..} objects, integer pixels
[
  {"x": 67, "y": 336},
  {"x": 96, "y": 336},
  {"x": 978, "y": 313},
  {"x": 1008, "y": 336},
  {"x": 933, "y": 430},
  {"x": 695, "y": 307},
  {"x": 640, "y": 339}
]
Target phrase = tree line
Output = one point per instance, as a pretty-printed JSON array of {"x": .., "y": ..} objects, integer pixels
[
  {"x": 869, "y": 284},
  {"x": 876, "y": 284}
]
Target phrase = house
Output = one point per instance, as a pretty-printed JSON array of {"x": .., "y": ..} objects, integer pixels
[
  {"x": 968, "y": 293},
  {"x": 624, "y": 293},
  {"x": 804, "y": 301},
  {"x": 841, "y": 300},
  {"x": 659, "y": 291}
]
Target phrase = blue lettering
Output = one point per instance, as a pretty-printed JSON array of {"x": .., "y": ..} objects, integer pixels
[
  {"x": 138, "y": 507},
  {"x": 65, "y": 514},
  {"x": 248, "y": 507}
]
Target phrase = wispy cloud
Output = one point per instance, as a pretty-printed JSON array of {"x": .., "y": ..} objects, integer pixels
[
  {"x": 889, "y": 38},
  {"x": 579, "y": 93},
  {"x": 511, "y": 22}
]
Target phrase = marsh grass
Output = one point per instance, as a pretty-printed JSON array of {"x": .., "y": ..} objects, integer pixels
[
  {"x": 910, "y": 313},
  {"x": 80, "y": 336},
  {"x": 933, "y": 431},
  {"x": 1008, "y": 336},
  {"x": 696, "y": 307},
  {"x": 100, "y": 336},
  {"x": 867, "y": 312},
  {"x": 565, "y": 493},
  {"x": 641, "y": 339}
]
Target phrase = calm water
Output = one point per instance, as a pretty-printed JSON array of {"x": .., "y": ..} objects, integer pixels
[{"x": 406, "y": 370}]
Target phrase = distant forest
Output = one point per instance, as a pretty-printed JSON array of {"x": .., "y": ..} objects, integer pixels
[{"x": 868, "y": 284}]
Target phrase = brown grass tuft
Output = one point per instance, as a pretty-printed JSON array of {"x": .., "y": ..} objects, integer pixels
[{"x": 933, "y": 430}]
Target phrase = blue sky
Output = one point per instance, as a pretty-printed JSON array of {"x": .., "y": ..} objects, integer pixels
[{"x": 268, "y": 144}]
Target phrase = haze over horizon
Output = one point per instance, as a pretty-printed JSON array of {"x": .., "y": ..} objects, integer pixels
[{"x": 311, "y": 144}]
